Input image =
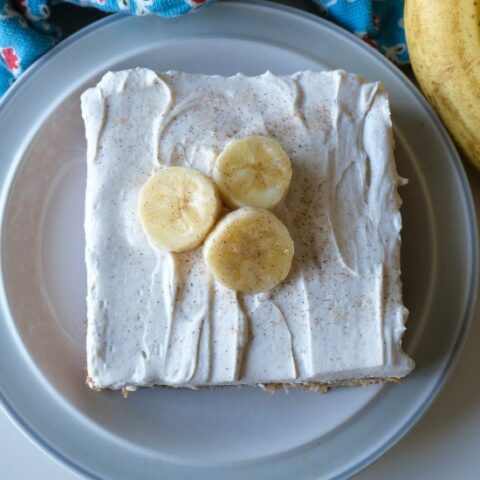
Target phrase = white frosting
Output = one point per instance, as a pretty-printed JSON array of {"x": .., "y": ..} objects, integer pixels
[{"x": 160, "y": 318}]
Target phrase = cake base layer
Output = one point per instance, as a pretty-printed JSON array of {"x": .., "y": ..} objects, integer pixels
[{"x": 276, "y": 387}]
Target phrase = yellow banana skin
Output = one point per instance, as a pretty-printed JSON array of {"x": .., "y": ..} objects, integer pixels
[{"x": 443, "y": 38}]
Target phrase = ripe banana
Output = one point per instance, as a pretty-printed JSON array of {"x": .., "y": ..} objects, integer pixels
[
  {"x": 253, "y": 171},
  {"x": 177, "y": 208},
  {"x": 250, "y": 250},
  {"x": 443, "y": 38}
]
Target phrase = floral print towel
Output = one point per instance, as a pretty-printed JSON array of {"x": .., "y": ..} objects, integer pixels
[{"x": 26, "y": 34}]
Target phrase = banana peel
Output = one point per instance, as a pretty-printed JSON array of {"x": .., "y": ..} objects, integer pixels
[{"x": 443, "y": 38}]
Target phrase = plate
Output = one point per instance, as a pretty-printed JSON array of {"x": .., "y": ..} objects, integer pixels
[{"x": 230, "y": 433}]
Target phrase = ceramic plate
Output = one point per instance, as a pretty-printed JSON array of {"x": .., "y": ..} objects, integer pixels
[{"x": 230, "y": 433}]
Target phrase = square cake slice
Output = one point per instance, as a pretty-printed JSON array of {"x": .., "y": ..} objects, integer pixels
[{"x": 160, "y": 318}]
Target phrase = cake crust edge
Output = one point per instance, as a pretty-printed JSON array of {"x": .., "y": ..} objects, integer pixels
[{"x": 318, "y": 387}]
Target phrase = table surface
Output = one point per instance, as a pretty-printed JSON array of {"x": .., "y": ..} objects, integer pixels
[{"x": 443, "y": 444}]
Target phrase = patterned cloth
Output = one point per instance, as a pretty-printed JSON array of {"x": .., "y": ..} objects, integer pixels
[
  {"x": 25, "y": 33},
  {"x": 378, "y": 22}
]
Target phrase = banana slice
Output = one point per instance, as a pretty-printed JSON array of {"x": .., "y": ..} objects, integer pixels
[
  {"x": 250, "y": 250},
  {"x": 253, "y": 171},
  {"x": 177, "y": 208}
]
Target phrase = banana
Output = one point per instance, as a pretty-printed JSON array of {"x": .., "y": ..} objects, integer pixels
[
  {"x": 250, "y": 250},
  {"x": 443, "y": 39},
  {"x": 177, "y": 208},
  {"x": 253, "y": 171}
]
